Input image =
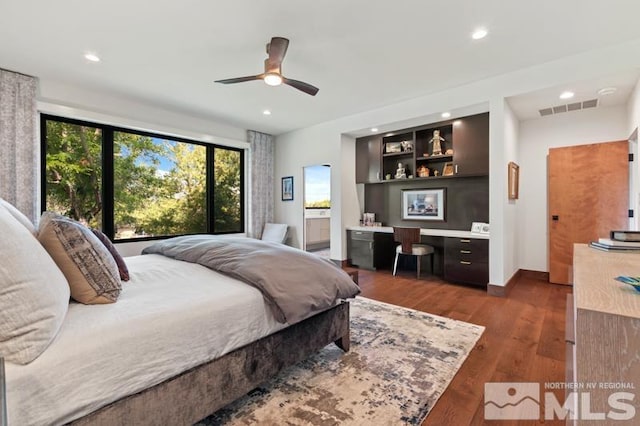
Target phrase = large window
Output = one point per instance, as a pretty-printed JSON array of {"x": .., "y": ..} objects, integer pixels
[{"x": 137, "y": 185}]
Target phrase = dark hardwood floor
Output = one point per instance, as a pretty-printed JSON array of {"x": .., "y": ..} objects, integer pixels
[{"x": 524, "y": 340}]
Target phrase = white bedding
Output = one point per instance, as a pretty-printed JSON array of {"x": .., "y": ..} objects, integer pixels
[{"x": 170, "y": 317}]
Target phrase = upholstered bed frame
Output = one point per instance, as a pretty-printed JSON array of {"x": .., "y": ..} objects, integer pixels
[{"x": 199, "y": 392}]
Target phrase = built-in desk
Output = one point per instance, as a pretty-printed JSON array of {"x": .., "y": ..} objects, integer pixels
[{"x": 460, "y": 256}]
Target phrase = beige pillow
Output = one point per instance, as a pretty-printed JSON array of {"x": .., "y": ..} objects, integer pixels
[
  {"x": 18, "y": 215},
  {"x": 34, "y": 295},
  {"x": 90, "y": 269}
]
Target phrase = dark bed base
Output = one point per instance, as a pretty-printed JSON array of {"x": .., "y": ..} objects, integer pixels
[{"x": 201, "y": 391}]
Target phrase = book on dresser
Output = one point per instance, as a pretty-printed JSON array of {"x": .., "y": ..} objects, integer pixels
[
  {"x": 617, "y": 243},
  {"x": 615, "y": 248},
  {"x": 633, "y": 236}
]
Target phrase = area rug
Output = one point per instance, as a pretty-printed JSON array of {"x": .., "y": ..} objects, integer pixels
[{"x": 399, "y": 364}]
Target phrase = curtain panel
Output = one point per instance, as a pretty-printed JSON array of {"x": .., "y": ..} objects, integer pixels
[
  {"x": 261, "y": 192},
  {"x": 19, "y": 147}
]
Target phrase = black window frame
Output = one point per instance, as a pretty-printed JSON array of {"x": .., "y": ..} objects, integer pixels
[{"x": 108, "y": 131}]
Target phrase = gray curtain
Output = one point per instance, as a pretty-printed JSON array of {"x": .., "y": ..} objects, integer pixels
[
  {"x": 261, "y": 152},
  {"x": 19, "y": 147}
]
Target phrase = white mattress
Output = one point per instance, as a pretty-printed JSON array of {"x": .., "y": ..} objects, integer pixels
[{"x": 170, "y": 317}]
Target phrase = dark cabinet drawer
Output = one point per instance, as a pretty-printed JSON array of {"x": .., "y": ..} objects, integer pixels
[
  {"x": 362, "y": 235},
  {"x": 466, "y": 260},
  {"x": 362, "y": 253},
  {"x": 474, "y": 245},
  {"x": 463, "y": 271},
  {"x": 467, "y": 254}
]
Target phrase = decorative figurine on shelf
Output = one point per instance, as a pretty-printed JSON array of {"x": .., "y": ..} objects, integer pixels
[
  {"x": 400, "y": 173},
  {"x": 407, "y": 146},
  {"x": 436, "y": 140},
  {"x": 423, "y": 171},
  {"x": 449, "y": 152},
  {"x": 436, "y": 173}
]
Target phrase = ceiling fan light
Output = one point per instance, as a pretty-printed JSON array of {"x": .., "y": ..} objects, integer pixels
[{"x": 273, "y": 79}]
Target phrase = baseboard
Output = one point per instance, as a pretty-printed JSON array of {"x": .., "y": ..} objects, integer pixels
[
  {"x": 504, "y": 290},
  {"x": 535, "y": 275}
]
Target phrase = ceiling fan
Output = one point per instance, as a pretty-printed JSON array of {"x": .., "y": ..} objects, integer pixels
[{"x": 276, "y": 49}]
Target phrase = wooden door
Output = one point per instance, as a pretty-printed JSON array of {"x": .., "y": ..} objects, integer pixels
[{"x": 588, "y": 196}]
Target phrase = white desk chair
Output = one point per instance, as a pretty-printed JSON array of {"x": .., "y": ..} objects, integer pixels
[{"x": 275, "y": 232}]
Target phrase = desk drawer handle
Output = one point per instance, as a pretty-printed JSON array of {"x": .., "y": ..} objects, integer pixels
[
  {"x": 359, "y": 233},
  {"x": 465, "y": 241},
  {"x": 465, "y": 251},
  {"x": 464, "y": 262}
]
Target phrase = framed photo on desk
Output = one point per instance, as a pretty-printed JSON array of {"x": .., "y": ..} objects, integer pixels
[{"x": 424, "y": 204}]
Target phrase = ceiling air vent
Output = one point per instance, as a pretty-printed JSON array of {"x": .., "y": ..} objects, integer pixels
[{"x": 576, "y": 106}]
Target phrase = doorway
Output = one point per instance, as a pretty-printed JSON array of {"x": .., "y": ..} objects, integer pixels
[{"x": 317, "y": 209}]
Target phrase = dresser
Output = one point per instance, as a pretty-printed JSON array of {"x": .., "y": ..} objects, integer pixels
[{"x": 603, "y": 327}]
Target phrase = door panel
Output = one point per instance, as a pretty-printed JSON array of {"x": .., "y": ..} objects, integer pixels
[{"x": 588, "y": 196}]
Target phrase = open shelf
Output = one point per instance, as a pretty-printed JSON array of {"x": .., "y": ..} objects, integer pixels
[
  {"x": 399, "y": 154},
  {"x": 435, "y": 158}
]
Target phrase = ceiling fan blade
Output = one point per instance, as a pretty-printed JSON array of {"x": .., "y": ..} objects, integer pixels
[
  {"x": 241, "y": 79},
  {"x": 301, "y": 85},
  {"x": 277, "y": 48}
]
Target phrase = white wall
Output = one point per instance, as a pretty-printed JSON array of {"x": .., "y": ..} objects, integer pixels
[
  {"x": 511, "y": 207},
  {"x": 633, "y": 110},
  {"x": 292, "y": 154},
  {"x": 536, "y": 137},
  {"x": 350, "y": 207},
  {"x": 322, "y": 142}
]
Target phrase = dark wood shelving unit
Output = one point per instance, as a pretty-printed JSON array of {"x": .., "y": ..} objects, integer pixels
[{"x": 466, "y": 140}]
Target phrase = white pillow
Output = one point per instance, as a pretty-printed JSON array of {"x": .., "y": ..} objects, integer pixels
[
  {"x": 34, "y": 295},
  {"x": 275, "y": 232},
  {"x": 18, "y": 215}
]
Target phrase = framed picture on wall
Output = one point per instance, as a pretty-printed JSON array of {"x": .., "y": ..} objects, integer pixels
[
  {"x": 424, "y": 204},
  {"x": 287, "y": 188},
  {"x": 513, "y": 181}
]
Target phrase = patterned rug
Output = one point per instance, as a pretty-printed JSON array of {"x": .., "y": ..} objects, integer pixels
[{"x": 399, "y": 364}]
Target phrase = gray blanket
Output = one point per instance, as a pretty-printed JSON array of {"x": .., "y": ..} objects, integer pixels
[{"x": 295, "y": 284}]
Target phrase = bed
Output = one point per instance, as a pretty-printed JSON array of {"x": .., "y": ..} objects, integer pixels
[{"x": 181, "y": 342}]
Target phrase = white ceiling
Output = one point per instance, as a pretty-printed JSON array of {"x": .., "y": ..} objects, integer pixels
[
  {"x": 527, "y": 106},
  {"x": 362, "y": 54}
]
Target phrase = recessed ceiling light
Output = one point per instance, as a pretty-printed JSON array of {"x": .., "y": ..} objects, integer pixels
[
  {"x": 480, "y": 33},
  {"x": 374, "y": 129},
  {"x": 607, "y": 91},
  {"x": 266, "y": 112},
  {"x": 92, "y": 57},
  {"x": 390, "y": 134},
  {"x": 446, "y": 114},
  {"x": 567, "y": 95}
]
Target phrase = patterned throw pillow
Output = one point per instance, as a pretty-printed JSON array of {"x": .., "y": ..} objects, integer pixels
[
  {"x": 90, "y": 269},
  {"x": 122, "y": 266}
]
